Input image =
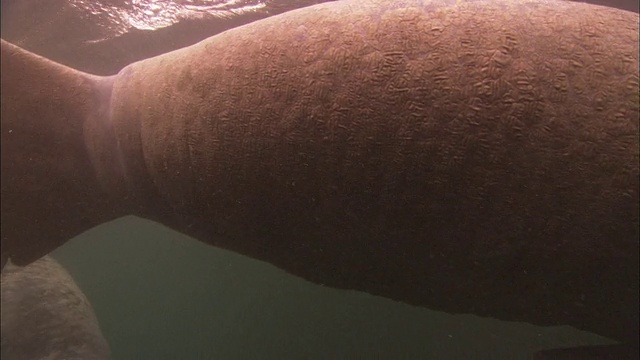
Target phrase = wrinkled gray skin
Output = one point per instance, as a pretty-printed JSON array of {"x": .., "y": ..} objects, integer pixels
[
  {"x": 46, "y": 316},
  {"x": 479, "y": 157}
]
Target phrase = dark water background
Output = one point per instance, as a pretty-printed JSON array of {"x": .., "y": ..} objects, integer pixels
[{"x": 160, "y": 295}]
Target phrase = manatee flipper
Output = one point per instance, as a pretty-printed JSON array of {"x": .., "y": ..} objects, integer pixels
[{"x": 46, "y": 316}]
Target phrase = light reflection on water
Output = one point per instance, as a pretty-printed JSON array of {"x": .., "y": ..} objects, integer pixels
[{"x": 120, "y": 16}]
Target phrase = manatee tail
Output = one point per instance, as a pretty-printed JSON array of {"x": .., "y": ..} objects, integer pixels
[{"x": 50, "y": 113}]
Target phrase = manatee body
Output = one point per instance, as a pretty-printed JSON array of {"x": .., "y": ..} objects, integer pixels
[
  {"x": 46, "y": 316},
  {"x": 467, "y": 156}
]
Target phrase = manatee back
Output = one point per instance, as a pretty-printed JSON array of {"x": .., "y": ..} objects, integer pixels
[{"x": 467, "y": 156}]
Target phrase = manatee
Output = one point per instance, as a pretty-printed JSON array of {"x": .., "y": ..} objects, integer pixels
[
  {"x": 46, "y": 316},
  {"x": 465, "y": 156}
]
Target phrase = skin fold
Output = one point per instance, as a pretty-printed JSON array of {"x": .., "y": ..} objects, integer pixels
[
  {"x": 466, "y": 156},
  {"x": 46, "y": 316}
]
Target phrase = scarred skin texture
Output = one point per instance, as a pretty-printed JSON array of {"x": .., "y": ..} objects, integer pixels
[
  {"x": 46, "y": 316},
  {"x": 478, "y": 157}
]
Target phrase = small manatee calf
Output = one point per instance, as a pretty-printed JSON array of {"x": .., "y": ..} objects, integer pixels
[
  {"x": 466, "y": 156},
  {"x": 45, "y": 315}
]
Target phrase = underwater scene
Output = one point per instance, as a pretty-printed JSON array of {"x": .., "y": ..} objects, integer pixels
[{"x": 308, "y": 179}]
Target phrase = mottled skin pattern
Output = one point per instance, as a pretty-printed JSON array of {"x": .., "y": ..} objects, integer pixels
[
  {"x": 472, "y": 157},
  {"x": 46, "y": 316}
]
